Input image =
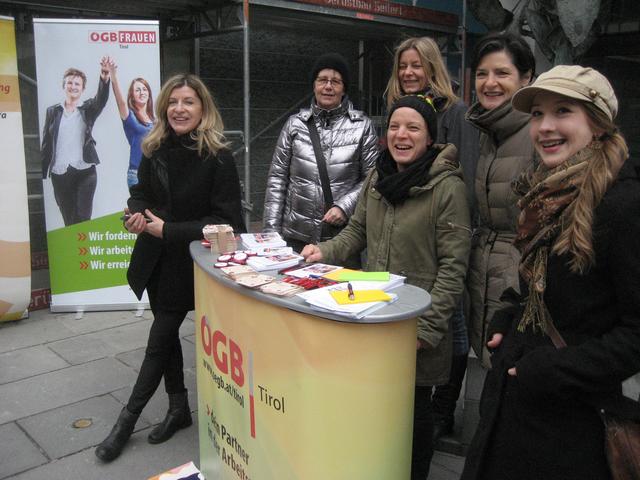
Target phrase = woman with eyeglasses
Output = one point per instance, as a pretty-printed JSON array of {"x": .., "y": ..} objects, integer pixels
[
  {"x": 313, "y": 183},
  {"x": 418, "y": 68}
]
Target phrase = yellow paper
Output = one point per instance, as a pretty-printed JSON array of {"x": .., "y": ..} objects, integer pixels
[
  {"x": 360, "y": 296},
  {"x": 334, "y": 275}
]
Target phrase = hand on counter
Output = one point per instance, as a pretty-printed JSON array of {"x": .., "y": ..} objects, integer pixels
[{"x": 311, "y": 253}]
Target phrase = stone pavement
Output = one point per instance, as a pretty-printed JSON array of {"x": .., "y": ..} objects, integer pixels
[{"x": 56, "y": 370}]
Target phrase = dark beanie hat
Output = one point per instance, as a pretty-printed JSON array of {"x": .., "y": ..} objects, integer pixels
[
  {"x": 334, "y": 61},
  {"x": 423, "y": 106}
]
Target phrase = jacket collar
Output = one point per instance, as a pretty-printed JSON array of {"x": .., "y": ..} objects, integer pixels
[
  {"x": 345, "y": 108},
  {"x": 500, "y": 123}
]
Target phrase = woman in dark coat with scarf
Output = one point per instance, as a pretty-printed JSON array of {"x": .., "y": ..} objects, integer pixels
[
  {"x": 580, "y": 272},
  {"x": 187, "y": 179}
]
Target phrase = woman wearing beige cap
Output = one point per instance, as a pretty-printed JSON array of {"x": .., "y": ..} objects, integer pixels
[{"x": 562, "y": 350}]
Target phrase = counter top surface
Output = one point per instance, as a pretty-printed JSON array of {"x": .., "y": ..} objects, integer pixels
[{"x": 412, "y": 301}]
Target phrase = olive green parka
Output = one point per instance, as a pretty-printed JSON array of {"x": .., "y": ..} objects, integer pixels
[{"x": 425, "y": 238}]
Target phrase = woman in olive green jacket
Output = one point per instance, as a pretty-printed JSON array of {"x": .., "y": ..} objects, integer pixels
[{"x": 413, "y": 218}]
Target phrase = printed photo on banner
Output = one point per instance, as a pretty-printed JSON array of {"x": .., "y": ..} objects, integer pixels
[{"x": 96, "y": 85}]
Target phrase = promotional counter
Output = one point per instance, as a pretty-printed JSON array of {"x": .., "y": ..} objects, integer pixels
[{"x": 289, "y": 393}]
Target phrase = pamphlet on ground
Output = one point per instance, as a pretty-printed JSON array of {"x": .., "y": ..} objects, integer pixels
[{"x": 188, "y": 471}]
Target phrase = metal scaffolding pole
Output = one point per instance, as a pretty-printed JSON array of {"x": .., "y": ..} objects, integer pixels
[{"x": 247, "y": 114}]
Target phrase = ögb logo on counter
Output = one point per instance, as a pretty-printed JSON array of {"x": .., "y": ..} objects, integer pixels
[
  {"x": 123, "y": 36},
  {"x": 215, "y": 346}
]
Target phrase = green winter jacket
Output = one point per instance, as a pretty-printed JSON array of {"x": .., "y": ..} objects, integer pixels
[{"x": 425, "y": 238}]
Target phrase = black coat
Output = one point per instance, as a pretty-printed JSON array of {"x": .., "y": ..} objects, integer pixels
[
  {"x": 544, "y": 423},
  {"x": 89, "y": 110},
  {"x": 187, "y": 192}
]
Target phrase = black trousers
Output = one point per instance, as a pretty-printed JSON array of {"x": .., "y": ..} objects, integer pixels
[
  {"x": 422, "y": 434},
  {"x": 74, "y": 192},
  {"x": 163, "y": 357}
]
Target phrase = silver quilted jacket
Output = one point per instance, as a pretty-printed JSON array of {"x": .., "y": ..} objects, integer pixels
[{"x": 294, "y": 201}]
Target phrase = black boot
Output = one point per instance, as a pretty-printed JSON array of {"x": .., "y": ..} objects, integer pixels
[
  {"x": 178, "y": 417},
  {"x": 111, "y": 446},
  {"x": 445, "y": 397}
]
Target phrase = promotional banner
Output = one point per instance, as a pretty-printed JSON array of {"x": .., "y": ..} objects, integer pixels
[
  {"x": 97, "y": 80},
  {"x": 15, "y": 267},
  {"x": 286, "y": 395}
]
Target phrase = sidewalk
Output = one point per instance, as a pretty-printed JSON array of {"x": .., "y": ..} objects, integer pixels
[{"x": 56, "y": 370}]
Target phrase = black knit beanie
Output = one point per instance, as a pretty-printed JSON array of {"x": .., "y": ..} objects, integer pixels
[
  {"x": 334, "y": 61},
  {"x": 423, "y": 106}
]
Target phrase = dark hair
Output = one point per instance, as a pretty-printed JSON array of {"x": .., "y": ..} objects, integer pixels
[
  {"x": 515, "y": 46},
  {"x": 74, "y": 72}
]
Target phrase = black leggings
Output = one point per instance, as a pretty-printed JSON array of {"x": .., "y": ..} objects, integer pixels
[
  {"x": 163, "y": 356},
  {"x": 422, "y": 434}
]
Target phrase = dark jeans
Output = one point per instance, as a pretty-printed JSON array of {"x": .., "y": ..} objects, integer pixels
[
  {"x": 163, "y": 356},
  {"x": 74, "y": 192},
  {"x": 422, "y": 434}
]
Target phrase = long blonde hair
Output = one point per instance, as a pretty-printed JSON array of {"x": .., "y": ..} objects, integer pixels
[
  {"x": 432, "y": 64},
  {"x": 611, "y": 152},
  {"x": 209, "y": 134}
]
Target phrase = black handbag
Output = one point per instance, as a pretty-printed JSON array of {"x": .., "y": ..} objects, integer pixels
[
  {"x": 328, "y": 230},
  {"x": 622, "y": 436}
]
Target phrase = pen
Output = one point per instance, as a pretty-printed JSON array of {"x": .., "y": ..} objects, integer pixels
[{"x": 350, "y": 288}]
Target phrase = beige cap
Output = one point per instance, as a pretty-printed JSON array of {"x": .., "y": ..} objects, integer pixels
[{"x": 573, "y": 81}]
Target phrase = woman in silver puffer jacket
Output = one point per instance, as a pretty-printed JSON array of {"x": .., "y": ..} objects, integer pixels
[{"x": 294, "y": 201}]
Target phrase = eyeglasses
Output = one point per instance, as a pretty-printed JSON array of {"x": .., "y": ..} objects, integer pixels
[{"x": 322, "y": 81}]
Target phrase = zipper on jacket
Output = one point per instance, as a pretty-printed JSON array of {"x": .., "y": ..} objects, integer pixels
[{"x": 455, "y": 226}]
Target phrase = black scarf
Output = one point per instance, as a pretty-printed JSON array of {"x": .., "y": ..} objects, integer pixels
[{"x": 394, "y": 185}]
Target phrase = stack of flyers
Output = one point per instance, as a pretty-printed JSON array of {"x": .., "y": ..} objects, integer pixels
[
  {"x": 281, "y": 289},
  {"x": 257, "y": 241},
  {"x": 275, "y": 262},
  {"x": 314, "y": 270},
  {"x": 236, "y": 271},
  {"x": 271, "y": 251},
  {"x": 254, "y": 280},
  {"x": 322, "y": 300}
]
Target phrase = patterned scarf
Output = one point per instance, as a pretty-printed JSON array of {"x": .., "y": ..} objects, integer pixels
[{"x": 547, "y": 204}]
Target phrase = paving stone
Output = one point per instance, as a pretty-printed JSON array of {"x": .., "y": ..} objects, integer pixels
[
  {"x": 95, "y": 321},
  {"x": 28, "y": 362},
  {"x": 44, "y": 392},
  {"x": 92, "y": 346},
  {"x": 47, "y": 428},
  {"x": 18, "y": 453},
  {"x": 40, "y": 328},
  {"x": 446, "y": 467},
  {"x": 139, "y": 460}
]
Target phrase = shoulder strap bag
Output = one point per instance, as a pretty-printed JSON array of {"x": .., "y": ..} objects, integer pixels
[
  {"x": 622, "y": 436},
  {"x": 328, "y": 230}
]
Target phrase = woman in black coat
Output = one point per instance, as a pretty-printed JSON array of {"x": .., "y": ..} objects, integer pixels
[
  {"x": 580, "y": 271},
  {"x": 187, "y": 179}
]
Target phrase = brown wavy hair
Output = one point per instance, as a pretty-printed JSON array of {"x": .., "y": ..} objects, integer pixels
[
  {"x": 132, "y": 105},
  {"x": 433, "y": 66},
  {"x": 208, "y": 135},
  {"x": 611, "y": 151}
]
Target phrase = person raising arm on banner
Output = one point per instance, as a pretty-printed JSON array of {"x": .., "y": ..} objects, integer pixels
[
  {"x": 136, "y": 113},
  {"x": 187, "y": 179},
  {"x": 69, "y": 155}
]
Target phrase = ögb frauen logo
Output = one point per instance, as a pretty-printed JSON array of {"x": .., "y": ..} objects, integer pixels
[{"x": 123, "y": 37}]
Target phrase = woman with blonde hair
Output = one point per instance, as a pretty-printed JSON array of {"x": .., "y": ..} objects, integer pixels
[
  {"x": 187, "y": 179},
  {"x": 562, "y": 349},
  {"x": 418, "y": 68}
]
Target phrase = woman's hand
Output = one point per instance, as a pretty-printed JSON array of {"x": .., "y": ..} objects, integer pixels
[
  {"x": 136, "y": 223},
  {"x": 154, "y": 227},
  {"x": 311, "y": 253},
  {"x": 496, "y": 340},
  {"x": 335, "y": 216}
]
